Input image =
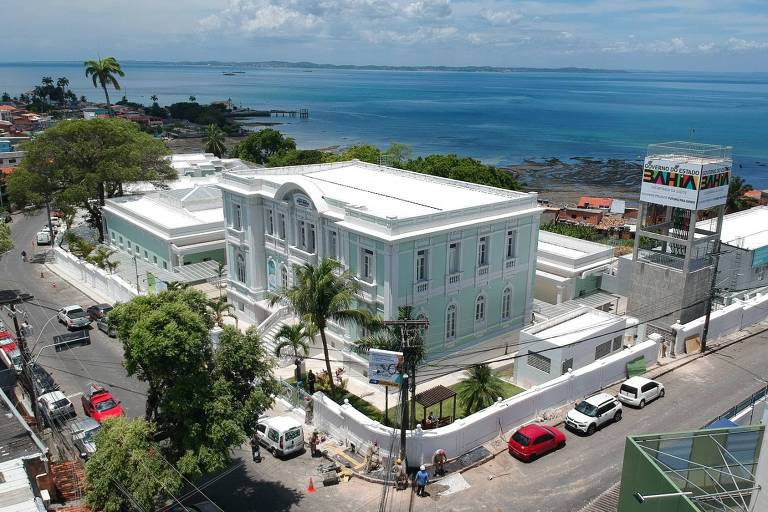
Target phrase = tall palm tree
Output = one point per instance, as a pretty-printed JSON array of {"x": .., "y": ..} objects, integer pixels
[
  {"x": 104, "y": 71},
  {"x": 100, "y": 258},
  {"x": 320, "y": 294},
  {"x": 192, "y": 99},
  {"x": 214, "y": 140},
  {"x": 295, "y": 337},
  {"x": 220, "y": 308},
  {"x": 61, "y": 86},
  {"x": 736, "y": 200},
  {"x": 153, "y": 98},
  {"x": 480, "y": 388},
  {"x": 384, "y": 337}
]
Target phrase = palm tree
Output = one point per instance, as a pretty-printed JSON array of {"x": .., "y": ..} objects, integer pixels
[
  {"x": 214, "y": 140},
  {"x": 323, "y": 293},
  {"x": 221, "y": 274},
  {"x": 295, "y": 337},
  {"x": 480, "y": 389},
  {"x": 61, "y": 86},
  {"x": 220, "y": 308},
  {"x": 176, "y": 285},
  {"x": 192, "y": 99},
  {"x": 153, "y": 98},
  {"x": 105, "y": 72},
  {"x": 384, "y": 337},
  {"x": 737, "y": 201},
  {"x": 100, "y": 258}
]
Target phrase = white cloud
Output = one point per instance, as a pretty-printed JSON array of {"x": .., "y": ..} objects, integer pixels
[
  {"x": 428, "y": 9},
  {"x": 744, "y": 45},
  {"x": 407, "y": 38},
  {"x": 501, "y": 17}
]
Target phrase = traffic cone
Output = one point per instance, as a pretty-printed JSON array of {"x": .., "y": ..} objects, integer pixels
[{"x": 311, "y": 486}]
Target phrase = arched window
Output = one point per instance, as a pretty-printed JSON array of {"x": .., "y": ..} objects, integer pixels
[
  {"x": 506, "y": 304},
  {"x": 240, "y": 268},
  {"x": 450, "y": 322},
  {"x": 480, "y": 309},
  {"x": 284, "y": 277}
]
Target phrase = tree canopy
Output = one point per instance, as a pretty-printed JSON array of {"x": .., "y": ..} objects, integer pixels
[
  {"x": 128, "y": 468},
  {"x": 203, "y": 401},
  {"x": 199, "y": 114},
  {"x": 736, "y": 200},
  {"x": 104, "y": 72},
  {"x": 260, "y": 146},
  {"x": 463, "y": 169},
  {"x": 6, "y": 242},
  {"x": 480, "y": 389},
  {"x": 78, "y": 161}
]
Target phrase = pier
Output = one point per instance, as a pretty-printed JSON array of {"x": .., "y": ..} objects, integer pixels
[{"x": 302, "y": 113}]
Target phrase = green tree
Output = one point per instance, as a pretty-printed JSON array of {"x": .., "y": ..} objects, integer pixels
[
  {"x": 260, "y": 146},
  {"x": 153, "y": 98},
  {"x": 397, "y": 154},
  {"x": 295, "y": 337},
  {"x": 463, "y": 169},
  {"x": 300, "y": 157},
  {"x": 363, "y": 152},
  {"x": 82, "y": 248},
  {"x": 480, "y": 389},
  {"x": 104, "y": 73},
  {"x": 6, "y": 242},
  {"x": 574, "y": 230},
  {"x": 192, "y": 99},
  {"x": 322, "y": 293},
  {"x": 77, "y": 162},
  {"x": 219, "y": 309},
  {"x": 213, "y": 141},
  {"x": 101, "y": 258},
  {"x": 736, "y": 200},
  {"x": 128, "y": 469},
  {"x": 5, "y": 97}
]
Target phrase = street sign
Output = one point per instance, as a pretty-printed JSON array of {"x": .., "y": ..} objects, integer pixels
[{"x": 385, "y": 367}]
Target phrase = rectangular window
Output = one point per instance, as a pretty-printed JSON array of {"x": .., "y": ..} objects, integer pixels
[
  {"x": 237, "y": 221},
  {"x": 539, "y": 362},
  {"x": 154, "y": 259},
  {"x": 281, "y": 226},
  {"x": 482, "y": 251},
  {"x": 367, "y": 265},
  {"x": 270, "y": 222},
  {"x": 617, "y": 343},
  {"x": 602, "y": 350},
  {"x": 121, "y": 240},
  {"x": 165, "y": 265},
  {"x": 450, "y": 323},
  {"x": 146, "y": 255},
  {"x": 113, "y": 236},
  {"x": 421, "y": 265},
  {"x": 453, "y": 257},
  {"x": 567, "y": 364},
  {"x": 301, "y": 235},
  {"x": 129, "y": 244},
  {"x": 311, "y": 240},
  {"x": 506, "y": 306},
  {"x": 333, "y": 245},
  {"x": 511, "y": 244}
]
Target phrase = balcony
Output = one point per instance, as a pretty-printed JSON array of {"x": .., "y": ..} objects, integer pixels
[
  {"x": 421, "y": 289},
  {"x": 302, "y": 256},
  {"x": 236, "y": 235},
  {"x": 274, "y": 242},
  {"x": 368, "y": 291},
  {"x": 453, "y": 281},
  {"x": 510, "y": 266}
]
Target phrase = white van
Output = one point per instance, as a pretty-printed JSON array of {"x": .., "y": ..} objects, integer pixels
[
  {"x": 281, "y": 435},
  {"x": 43, "y": 237}
]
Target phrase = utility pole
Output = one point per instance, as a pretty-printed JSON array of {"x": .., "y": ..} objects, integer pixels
[
  {"x": 136, "y": 268},
  {"x": 403, "y": 417},
  {"x": 712, "y": 288}
]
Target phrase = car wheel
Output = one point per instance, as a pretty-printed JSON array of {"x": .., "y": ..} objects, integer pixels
[
  {"x": 273, "y": 451},
  {"x": 591, "y": 429},
  {"x": 561, "y": 445},
  {"x": 533, "y": 457},
  {"x": 617, "y": 416},
  {"x": 661, "y": 394},
  {"x": 642, "y": 403}
]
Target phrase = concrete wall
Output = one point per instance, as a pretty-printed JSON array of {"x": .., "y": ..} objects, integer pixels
[
  {"x": 348, "y": 425},
  {"x": 108, "y": 285},
  {"x": 121, "y": 233},
  {"x": 657, "y": 290},
  {"x": 722, "y": 322}
]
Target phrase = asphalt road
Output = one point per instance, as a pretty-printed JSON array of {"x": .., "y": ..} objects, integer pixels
[{"x": 73, "y": 369}]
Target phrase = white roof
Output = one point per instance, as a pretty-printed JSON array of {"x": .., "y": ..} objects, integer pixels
[
  {"x": 570, "y": 247},
  {"x": 637, "y": 381},
  {"x": 744, "y": 229},
  {"x": 16, "y": 494},
  {"x": 169, "y": 209},
  {"x": 599, "y": 398},
  {"x": 281, "y": 422},
  {"x": 573, "y": 326}
]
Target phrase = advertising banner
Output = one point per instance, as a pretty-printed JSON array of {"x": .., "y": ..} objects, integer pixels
[
  {"x": 385, "y": 367},
  {"x": 683, "y": 184},
  {"x": 760, "y": 257}
]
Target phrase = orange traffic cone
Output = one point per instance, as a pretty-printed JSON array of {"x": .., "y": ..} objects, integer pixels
[{"x": 311, "y": 486}]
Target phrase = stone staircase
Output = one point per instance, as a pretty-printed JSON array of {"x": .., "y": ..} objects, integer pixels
[{"x": 269, "y": 328}]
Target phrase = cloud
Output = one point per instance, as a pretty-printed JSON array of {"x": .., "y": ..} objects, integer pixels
[
  {"x": 741, "y": 45},
  {"x": 408, "y": 38},
  {"x": 500, "y": 17},
  {"x": 428, "y": 9}
]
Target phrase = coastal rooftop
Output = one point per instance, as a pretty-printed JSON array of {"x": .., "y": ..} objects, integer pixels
[
  {"x": 741, "y": 229},
  {"x": 376, "y": 190},
  {"x": 568, "y": 328}
]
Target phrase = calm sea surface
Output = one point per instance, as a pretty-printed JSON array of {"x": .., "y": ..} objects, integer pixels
[{"x": 501, "y": 118}]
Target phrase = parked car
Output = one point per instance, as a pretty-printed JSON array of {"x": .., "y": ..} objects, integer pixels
[
  {"x": 103, "y": 324},
  {"x": 99, "y": 404},
  {"x": 532, "y": 441},
  {"x": 43, "y": 237},
  {"x": 55, "y": 221},
  {"x": 84, "y": 431},
  {"x": 41, "y": 379},
  {"x": 73, "y": 317},
  {"x": 281, "y": 435},
  {"x": 55, "y": 408},
  {"x": 593, "y": 413},
  {"x": 9, "y": 352},
  {"x": 98, "y": 311},
  {"x": 638, "y": 391},
  {"x": 54, "y": 226}
]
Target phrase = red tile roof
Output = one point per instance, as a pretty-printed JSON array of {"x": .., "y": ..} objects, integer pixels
[
  {"x": 5, "y": 171},
  {"x": 754, "y": 194},
  {"x": 7, "y": 108},
  {"x": 595, "y": 202}
]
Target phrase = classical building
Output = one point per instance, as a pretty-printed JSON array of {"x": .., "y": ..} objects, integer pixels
[{"x": 463, "y": 255}]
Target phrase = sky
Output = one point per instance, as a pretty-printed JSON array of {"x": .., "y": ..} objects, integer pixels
[{"x": 700, "y": 35}]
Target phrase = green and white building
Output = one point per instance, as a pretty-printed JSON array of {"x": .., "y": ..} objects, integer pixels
[{"x": 463, "y": 255}]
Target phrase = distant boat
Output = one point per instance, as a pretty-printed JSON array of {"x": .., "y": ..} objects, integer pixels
[{"x": 229, "y": 74}]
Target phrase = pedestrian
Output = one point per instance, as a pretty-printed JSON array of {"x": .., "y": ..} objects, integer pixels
[
  {"x": 422, "y": 478},
  {"x": 401, "y": 477},
  {"x": 439, "y": 458},
  {"x": 255, "y": 448},
  {"x": 311, "y": 382},
  {"x": 314, "y": 442},
  {"x": 24, "y": 256}
]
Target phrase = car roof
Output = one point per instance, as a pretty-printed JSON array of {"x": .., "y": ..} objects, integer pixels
[
  {"x": 53, "y": 396},
  {"x": 637, "y": 381},
  {"x": 73, "y": 306},
  {"x": 281, "y": 422},
  {"x": 533, "y": 430},
  {"x": 599, "y": 398},
  {"x": 83, "y": 424}
]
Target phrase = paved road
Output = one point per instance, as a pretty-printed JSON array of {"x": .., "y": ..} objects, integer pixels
[
  {"x": 101, "y": 361},
  {"x": 561, "y": 481}
]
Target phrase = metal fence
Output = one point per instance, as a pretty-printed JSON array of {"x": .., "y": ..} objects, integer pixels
[
  {"x": 744, "y": 404},
  {"x": 293, "y": 394}
]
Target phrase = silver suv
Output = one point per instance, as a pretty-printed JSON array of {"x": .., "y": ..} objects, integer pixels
[{"x": 593, "y": 413}]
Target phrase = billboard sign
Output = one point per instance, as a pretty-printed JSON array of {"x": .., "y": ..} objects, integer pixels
[
  {"x": 760, "y": 257},
  {"x": 385, "y": 367},
  {"x": 686, "y": 185}
]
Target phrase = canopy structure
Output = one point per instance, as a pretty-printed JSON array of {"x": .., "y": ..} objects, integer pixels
[{"x": 436, "y": 395}]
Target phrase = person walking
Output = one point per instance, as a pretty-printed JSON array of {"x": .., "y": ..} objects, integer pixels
[
  {"x": 255, "y": 448},
  {"x": 311, "y": 382},
  {"x": 401, "y": 476},
  {"x": 422, "y": 478},
  {"x": 24, "y": 256},
  {"x": 439, "y": 459},
  {"x": 314, "y": 442}
]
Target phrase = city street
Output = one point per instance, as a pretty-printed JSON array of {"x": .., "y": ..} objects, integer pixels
[{"x": 73, "y": 369}]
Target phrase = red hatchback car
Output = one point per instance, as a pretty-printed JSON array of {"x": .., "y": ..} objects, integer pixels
[
  {"x": 534, "y": 440},
  {"x": 99, "y": 404}
]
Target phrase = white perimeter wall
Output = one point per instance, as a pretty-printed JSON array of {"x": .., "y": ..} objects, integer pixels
[
  {"x": 732, "y": 318},
  {"x": 108, "y": 285},
  {"x": 347, "y": 424}
]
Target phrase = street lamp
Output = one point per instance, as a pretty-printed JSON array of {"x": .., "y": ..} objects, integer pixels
[
  {"x": 40, "y": 334},
  {"x": 641, "y": 498}
]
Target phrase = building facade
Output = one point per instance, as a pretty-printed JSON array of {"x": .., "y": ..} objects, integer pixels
[{"x": 462, "y": 255}]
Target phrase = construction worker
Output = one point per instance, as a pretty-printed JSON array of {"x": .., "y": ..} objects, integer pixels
[{"x": 400, "y": 474}]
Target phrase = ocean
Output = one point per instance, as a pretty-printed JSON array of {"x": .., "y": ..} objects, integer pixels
[{"x": 500, "y": 118}]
